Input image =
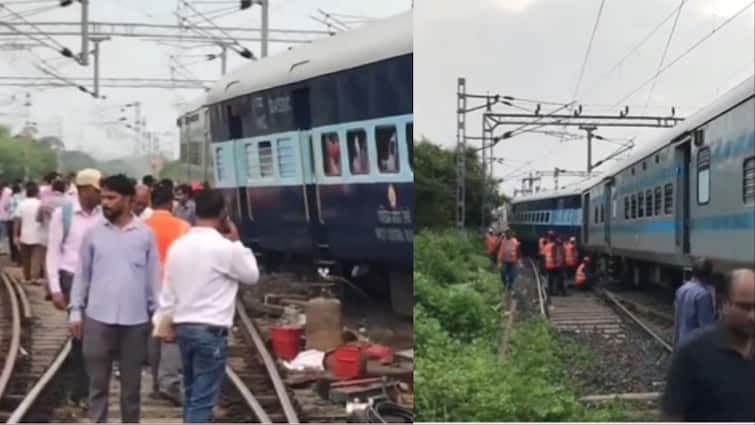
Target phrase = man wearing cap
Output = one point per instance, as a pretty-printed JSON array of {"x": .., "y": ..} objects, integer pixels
[{"x": 68, "y": 224}]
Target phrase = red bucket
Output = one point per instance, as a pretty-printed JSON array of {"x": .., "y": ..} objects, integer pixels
[
  {"x": 347, "y": 362},
  {"x": 286, "y": 341}
]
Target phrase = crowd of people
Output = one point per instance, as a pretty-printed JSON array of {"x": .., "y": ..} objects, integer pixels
[
  {"x": 559, "y": 260},
  {"x": 148, "y": 272},
  {"x": 711, "y": 377}
]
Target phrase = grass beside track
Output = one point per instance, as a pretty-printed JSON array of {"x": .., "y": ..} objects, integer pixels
[{"x": 457, "y": 373}]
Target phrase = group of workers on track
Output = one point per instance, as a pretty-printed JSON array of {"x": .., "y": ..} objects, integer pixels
[{"x": 558, "y": 259}]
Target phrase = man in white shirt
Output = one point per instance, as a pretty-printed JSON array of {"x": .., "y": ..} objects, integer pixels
[
  {"x": 202, "y": 272},
  {"x": 141, "y": 207},
  {"x": 29, "y": 234}
]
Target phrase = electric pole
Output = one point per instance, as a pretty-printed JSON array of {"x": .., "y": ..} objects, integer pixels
[
  {"x": 265, "y": 26},
  {"x": 84, "y": 55},
  {"x": 589, "y": 129},
  {"x": 97, "y": 41}
]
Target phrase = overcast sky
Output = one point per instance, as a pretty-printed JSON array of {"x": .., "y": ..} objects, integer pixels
[
  {"x": 80, "y": 116},
  {"x": 535, "y": 49}
]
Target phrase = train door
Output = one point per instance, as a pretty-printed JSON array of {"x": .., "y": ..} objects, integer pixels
[
  {"x": 586, "y": 219},
  {"x": 681, "y": 197},
  {"x": 609, "y": 208}
]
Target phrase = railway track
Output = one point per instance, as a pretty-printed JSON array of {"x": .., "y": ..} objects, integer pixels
[
  {"x": 33, "y": 385},
  {"x": 600, "y": 318}
]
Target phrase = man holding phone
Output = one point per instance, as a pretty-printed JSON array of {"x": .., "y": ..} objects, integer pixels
[{"x": 203, "y": 270}]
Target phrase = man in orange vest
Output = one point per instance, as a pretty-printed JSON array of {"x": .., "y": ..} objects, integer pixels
[
  {"x": 571, "y": 259},
  {"x": 541, "y": 242},
  {"x": 490, "y": 240},
  {"x": 554, "y": 262},
  {"x": 582, "y": 278},
  {"x": 164, "y": 357},
  {"x": 508, "y": 258}
]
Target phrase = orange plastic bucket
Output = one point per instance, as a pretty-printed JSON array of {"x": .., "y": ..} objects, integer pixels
[{"x": 286, "y": 341}]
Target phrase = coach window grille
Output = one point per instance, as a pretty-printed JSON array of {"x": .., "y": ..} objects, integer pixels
[
  {"x": 649, "y": 203},
  {"x": 626, "y": 208},
  {"x": 265, "y": 152},
  {"x": 658, "y": 201},
  {"x": 602, "y": 215},
  {"x": 634, "y": 206},
  {"x": 286, "y": 158},
  {"x": 387, "y": 149},
  {"x": 748, "y": 181},
  {"x": 703, "y": 176},
  {"x": 640, "y": 205},
  {"x": 331, "y": 154},
  {"x": 219, "y": 163},
  {"x": 668, "y": 199},
  {"x": 595, "y": 215},
  {"x": 359, "y": 162}
]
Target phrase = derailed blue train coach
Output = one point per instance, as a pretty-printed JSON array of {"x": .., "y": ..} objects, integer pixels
[{"x": 313, "y": 149}]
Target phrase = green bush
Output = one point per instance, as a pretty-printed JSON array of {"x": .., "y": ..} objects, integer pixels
[{"x": 457, "y": 373}]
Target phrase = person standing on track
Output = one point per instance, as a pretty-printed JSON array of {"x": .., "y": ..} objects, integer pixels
[
  {"x": 571, "y": 257},
  {"x": 203, "y": 270},
  {"x": 10, "y": 208},
  {"x": 5, "y": 193},
  {"x": 68, "y": 225},
  {"x": 165, "y": 357},
  {"x": 185, "y": 207},
  {"x": 693, "y": 302},
  {"x": 29, "y": 235},
  {"x": 54, "y": 200},
  {"x": 554, "y": 259},
  {"x": 113, "y": 297},
  {"x": 508, "y": 258},
  {"x": 711, "y": 374},
  {"x": 541, "y": 242},
  {"x": 141, "y": 206},
  {"x": 490, "y": 240}
]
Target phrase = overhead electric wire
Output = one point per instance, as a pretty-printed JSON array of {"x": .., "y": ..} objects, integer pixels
[
  {"x": 42, "y": 33},
  {"x": 589, "y": 48},
  {"x": 663, "y": 56},
  {"x": 685, "y": 53},
  {"x": 634, "y": 49}
]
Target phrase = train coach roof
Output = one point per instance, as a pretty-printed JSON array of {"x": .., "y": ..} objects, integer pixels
[
  {"x": 369, "y": 43},
  {"x": 726, "y": 101},
  {"x": 193, "y": 105},
  {"x": 720, "y": 105}
]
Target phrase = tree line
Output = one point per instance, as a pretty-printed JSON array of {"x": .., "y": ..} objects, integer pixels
[{"x": 435, "y": 187}]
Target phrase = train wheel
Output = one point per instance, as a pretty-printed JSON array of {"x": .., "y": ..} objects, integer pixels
[{"x": 402, "y": 293}]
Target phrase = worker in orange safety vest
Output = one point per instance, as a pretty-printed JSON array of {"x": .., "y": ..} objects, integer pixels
[
  {"x": 490, "y": 241},
  {"x": 582, "y": 277},
  {"x": 554, "y": 264},
  {"x": 571, "y": 257},
  {"x": 541, "y": 242},
  {"x": 508, "y": 258}
]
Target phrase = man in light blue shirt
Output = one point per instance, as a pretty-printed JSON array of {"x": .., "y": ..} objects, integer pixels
[
  {"x": 693, "y": 302},
  {"x": 113, "y": 297}
]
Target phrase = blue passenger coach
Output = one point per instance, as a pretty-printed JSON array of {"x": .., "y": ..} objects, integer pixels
[{"x": 313, "y": 148}]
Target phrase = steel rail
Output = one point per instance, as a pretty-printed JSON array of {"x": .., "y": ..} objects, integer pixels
[
  {"x": 540, "y": 289},
  {"x": 25, "y": 305},
  {"x": 613, "y": 299},
  {"x": 272, "y": 369},
  {"x": 246, "y": 393},
  {"x": 40, "y": 385},
  {"x": 15, "y": 344}
]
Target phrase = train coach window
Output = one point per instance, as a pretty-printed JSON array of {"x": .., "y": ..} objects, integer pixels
[
  {"x": 626, "y": 208},
  {"x": 703, "y": 176},
  {"x": 219, "y": 163},
  {"x": 387, "y": 149},
  {"x": 595, "y": 216},
  {"x": 649, "y": 203},
  {"x": 359, "y": 161},
  {"x": 265, "y": 152},
  {"x": 640, "y": 205},
  {"x": 331, "y": 154},
  {"x": 602, "y": 214},
  {"x": 748, "y": 180},
  {"x": 634, "y": 206},
  {"x": 286, "y": 158},
  {"x": 658, "y": 201},
  {"x": 410, "y": 143},
  {"x": 668, "y": 199}
]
